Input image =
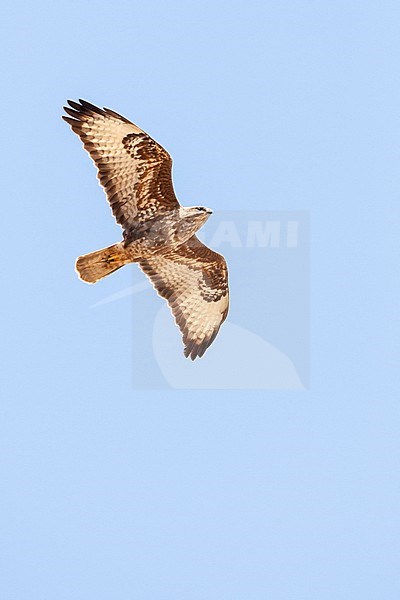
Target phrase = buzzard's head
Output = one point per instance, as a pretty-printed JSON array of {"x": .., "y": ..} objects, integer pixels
[
  {"x": 196, "y": 213},
  {"x": 191, "y": 218}
]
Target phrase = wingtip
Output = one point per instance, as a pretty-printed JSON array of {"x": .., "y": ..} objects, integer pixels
[
  {"x": 91, "y": 107},
  {"x": 194, "y": 351},
  {"x": 188, "y": 352},
  {"x": 83, "y": 108},
  {"x": 74, "y": 105},
  {"x": 72, "y": 122}
]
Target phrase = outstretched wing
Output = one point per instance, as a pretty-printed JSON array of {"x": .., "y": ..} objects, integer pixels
[
  {"x": 134, "y": 170},
  {"x": 194, "y": 281}
]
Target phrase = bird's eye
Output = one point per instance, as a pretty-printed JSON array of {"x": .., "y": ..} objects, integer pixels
[{"x": 200, "y": 208}]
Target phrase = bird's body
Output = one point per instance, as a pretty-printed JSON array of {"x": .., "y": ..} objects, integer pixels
[{"x": 158, "y": 233}]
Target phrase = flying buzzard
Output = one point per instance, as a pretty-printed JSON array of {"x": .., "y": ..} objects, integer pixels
[{"x": 158, "y": 233}]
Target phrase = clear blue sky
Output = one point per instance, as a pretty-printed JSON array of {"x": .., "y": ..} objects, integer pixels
[{"x": 110, "y": 492}]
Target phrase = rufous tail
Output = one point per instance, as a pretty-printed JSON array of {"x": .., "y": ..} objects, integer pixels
[{"x": 96, "y": 265}]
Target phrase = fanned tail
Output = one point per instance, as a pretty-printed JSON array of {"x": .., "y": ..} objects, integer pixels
[{"x": 96, "y": 265}]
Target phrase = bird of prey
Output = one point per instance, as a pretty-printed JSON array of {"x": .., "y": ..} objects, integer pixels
[{"x": 158, "y": 233}]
